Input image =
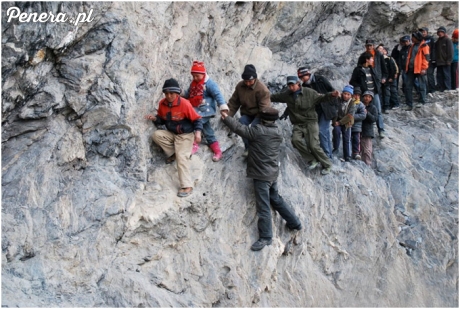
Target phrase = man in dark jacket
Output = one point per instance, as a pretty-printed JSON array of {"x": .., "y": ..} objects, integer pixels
[
  {"x": 381, "y": 75},
  {"x": 429, "y": 40},
  {"x": 321, "y": 85},
  {"x": 399, "y": 53},
  {"x": 444, "y": 50},
  {"x": 263, "y": 167},
  {"x": 389, "y": 88}
]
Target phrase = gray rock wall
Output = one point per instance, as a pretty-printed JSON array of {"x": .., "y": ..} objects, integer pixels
[{"x": 90, "y": 215}]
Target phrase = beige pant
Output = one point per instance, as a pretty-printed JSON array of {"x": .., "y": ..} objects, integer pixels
[{"x": 181, "y": 145}]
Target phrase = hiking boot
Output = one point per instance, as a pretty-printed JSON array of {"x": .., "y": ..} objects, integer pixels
[
  {"x": 381, "y": 134},
  {"x": 195, "y": 148},
  {"x": 408, "y": 108},
  {"x": 313, "y": 165},
  {"x": 325, "y": 171},
  {"x": 260, "y": 244},
  {"x": 395, "y": 107},
  {"x": 297, "y": 228},
  {"x": 245, "y": 153},
  {"x": 347, "y": 159},
  {"x": 418, "y": 105},
  {"x": 357, "y": 157},
  {"x": 217, "y": 152}
]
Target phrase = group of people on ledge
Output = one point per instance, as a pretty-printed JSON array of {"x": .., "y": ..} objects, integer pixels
[{"x": 313, "y": 107}]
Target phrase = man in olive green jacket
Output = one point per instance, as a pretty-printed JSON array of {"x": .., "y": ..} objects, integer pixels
[{"x": 301, "y": 102}]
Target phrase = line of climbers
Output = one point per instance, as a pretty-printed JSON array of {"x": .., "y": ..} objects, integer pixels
[{"x": 313, "y": 107}]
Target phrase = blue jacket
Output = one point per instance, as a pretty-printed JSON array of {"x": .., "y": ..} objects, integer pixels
[{"x": 211, "y": 96}]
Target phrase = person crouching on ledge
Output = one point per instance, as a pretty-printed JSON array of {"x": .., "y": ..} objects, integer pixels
[{"x": 183, "y": 127}]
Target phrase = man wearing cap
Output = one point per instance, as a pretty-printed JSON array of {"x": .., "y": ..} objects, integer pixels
[
  {"x": 429, "y": 40},
  {"x": 381, "y": 75},
  {"x": 325, "y": 112},
  {"x": 416, "y": 67},
  {"x": 400, "y": 54},
  {"x": 444, "y": 51},
  {"x": 250, "y": 96},
  {"x": 263, "y": 167},
  {"x": 183, "y": 127},
  {"x": 301, "y": 102}
]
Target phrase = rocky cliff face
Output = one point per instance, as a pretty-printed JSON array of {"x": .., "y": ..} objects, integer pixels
[{"x": 89, "y": 211}]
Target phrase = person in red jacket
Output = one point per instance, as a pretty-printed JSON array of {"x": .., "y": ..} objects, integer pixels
[
  {"x": 183, "y": 127},
  {"x": 417, "y": 64}
]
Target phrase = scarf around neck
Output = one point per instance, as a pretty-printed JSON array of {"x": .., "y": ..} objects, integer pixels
[{"x": 196, "y": 92}]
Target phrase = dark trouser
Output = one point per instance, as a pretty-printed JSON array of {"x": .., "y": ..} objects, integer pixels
[
  {"x": 248, "y": 120},
  {"x": 378, "y": 106},
  {"x": 325, "y": 134},
  {"x": 443, "y": 77},
  {"x": 386, "y": 93},
  {"x": 267, "y": 192},
  {"x": 410, "y": 81},
  {"x": 403, "y": 78},
  {"x": 355, "y": 142},
  {"x": 454, "y": 75},
  {"x": 394, "y": 97},
  {"x": 341, "y": 131},
  {"x": 431, "y": 86}
]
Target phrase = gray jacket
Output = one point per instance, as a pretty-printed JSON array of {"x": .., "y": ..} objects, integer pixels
[
  {"x": 359, "y": 116},
  {"x": 264, "y": 148}
]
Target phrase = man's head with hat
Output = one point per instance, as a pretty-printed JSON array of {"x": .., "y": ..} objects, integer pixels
[
  {"x": 249, "y": 75},
  {"x": 369, "y": 45},
  {"x": 171, "y": 90},
  {"x": 417, "y": 36},
  {"x": 441, "y": 31},
  {"x": 405, "y": 40},
  {"x": 304, "y": 74},
  {"x": 293, "y": 83},
  {"x": 269, "y": 114},
  {"x": 423, "y": 31}
]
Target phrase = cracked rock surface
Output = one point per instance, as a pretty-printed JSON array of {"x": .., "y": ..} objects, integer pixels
[{"x": 90, "y": 216}]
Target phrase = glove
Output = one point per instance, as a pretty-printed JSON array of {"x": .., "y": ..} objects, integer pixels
[{"x": 285, "y": 115}]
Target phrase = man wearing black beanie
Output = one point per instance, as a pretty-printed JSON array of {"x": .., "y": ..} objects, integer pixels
[{"x": 250, "y": 97}]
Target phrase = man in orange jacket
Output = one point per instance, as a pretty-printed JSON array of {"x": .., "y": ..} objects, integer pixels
[{"x": 417, "y": 64}]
